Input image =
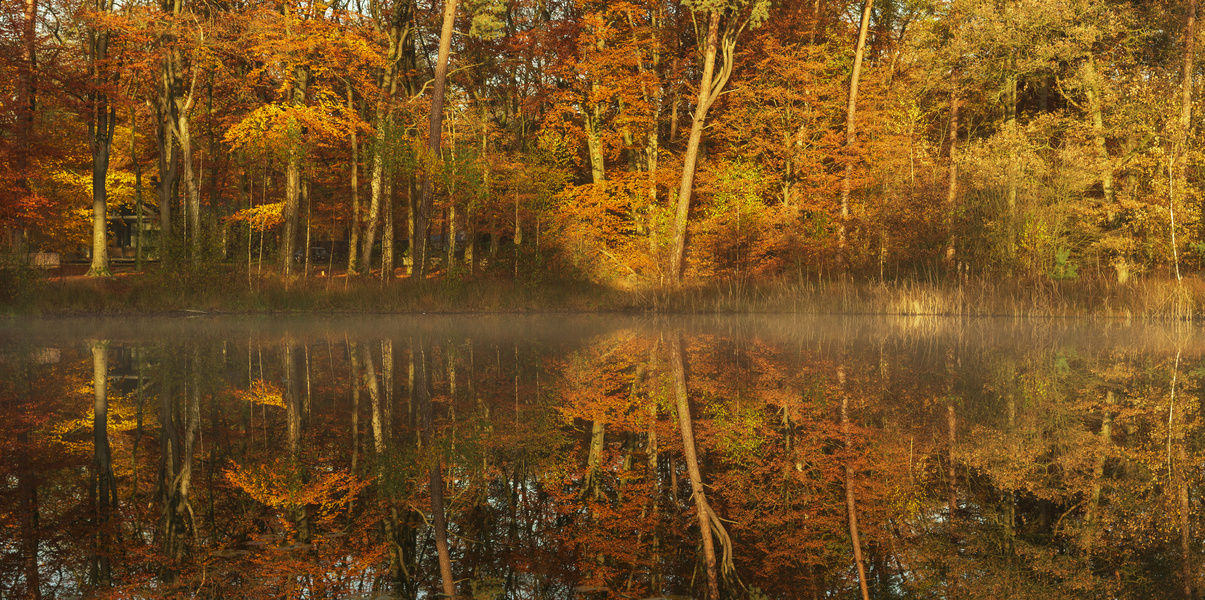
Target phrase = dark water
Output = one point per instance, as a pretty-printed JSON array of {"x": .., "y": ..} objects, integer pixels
[{"x": 578, "y": 456}]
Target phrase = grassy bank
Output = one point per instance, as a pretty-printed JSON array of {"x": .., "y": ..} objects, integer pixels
[{"x": 218, "y": 290}]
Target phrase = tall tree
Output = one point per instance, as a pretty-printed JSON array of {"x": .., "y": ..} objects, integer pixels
[
  {"x": 101, "y": 124},
  {"x": 400, "y": 35},
  {"x": 851, "y": 124},
  {"x": 418, "y": 245},
  {"x": 711, "y": 85}
]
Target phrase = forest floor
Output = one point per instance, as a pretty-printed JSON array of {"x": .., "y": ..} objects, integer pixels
[{"x": 67, "y": 290}]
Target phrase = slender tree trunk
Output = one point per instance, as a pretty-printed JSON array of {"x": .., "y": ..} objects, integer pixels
[
  {"x": 952, "y": 182},
  {"x": 598, "y": 169},
  {"x": 850, "y": 504},
  {"x": 355, "y": 403},
  {"x": 677, "y": 363},
  {"x": 354, "y": 235},
  {"x": 27, "y": 489},
  {"x": 1186, "y": 85},
  {"x": 293, "y": 184},
  {"x": 952, "y": 482},
  {"x": 138, "y": 227},
  {"x": 673, "y": 116},
  {"x": 1013, "y": 174},
  {"x": 422, "y": 384},
  {"x": 434, "y": 142},
  {"x": 593, "y": 485},
  {"x": 1186, "y": 91},
  {"x": 816, "y": 23},
  {"x": 851, "y": 111},
  {"x": 1186, "y": 555},
  {"x": 708, "y": 92},
  {"x": 27, "y": 96},
  {"x": 387, "y": 234},
  {"x": 1095, "y": 93},
  {"x": 383, "y": 123},
  {"x": 309, "y": 230},
  {"x": 1098, "y": 471}
]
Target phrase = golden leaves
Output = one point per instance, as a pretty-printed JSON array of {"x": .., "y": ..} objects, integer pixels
[
  {"x": 263, "y": 392},
  {"x": 284, "y": 483}
]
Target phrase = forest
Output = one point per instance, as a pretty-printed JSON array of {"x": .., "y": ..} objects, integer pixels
[{"x": 638, "y": 142}]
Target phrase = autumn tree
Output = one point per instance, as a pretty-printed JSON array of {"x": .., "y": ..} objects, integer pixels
[{"x": 736, "y": 16}]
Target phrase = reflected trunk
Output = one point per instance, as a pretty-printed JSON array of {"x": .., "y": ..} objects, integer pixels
[
  {"x": 422, "y": 385},
  {"x": 703, "y": 510},
  {"x": 104, "y": 492}
]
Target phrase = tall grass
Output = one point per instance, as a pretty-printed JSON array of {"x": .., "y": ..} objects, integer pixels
[{"x": 215, "y": 289}]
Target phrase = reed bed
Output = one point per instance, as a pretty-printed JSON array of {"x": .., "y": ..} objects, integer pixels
[{"x": 216, "y": 290}]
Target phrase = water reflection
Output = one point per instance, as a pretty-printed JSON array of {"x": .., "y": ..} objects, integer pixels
[{"x": 522, "y": 457}]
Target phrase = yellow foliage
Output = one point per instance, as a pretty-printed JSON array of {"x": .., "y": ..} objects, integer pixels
[
  {"x": 263, "y": 392},
  {"x": 282, "y": 483},
  {"x": 277, "y": 127},
  {"x": 264, "y": 216}
]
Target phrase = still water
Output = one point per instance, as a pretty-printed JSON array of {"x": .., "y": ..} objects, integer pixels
[{"x": 600, "y": 457}]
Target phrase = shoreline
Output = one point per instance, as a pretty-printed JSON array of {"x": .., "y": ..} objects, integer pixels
[{"x": 216, "y": 291}]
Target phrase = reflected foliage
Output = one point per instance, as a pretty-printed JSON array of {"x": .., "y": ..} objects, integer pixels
[{"x": 741, "y": 458}]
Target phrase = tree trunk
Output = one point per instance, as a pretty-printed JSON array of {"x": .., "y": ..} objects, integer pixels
[
  {"x": 100, "y": 130},
  {"x": 400, "y": 41},
  {"x": 1184, "y": 525},
  {"x": 193, "y": 228},
  {"x": 27, "y": 490},
  {"x": 354, "y": 235},
  {"x": 292, "y": 208},
  {"x": 850, "y": 504},
  {"x": 1095, "y": 92},
  {"x": 422, "y": 383},
  {"x": 952, "y": 182},
  {"x": 434, "y": 142},
  {"x": 387, "y": 234},
  {"x": 100, "y": 170},
  {"x": 169, "y": 155},
  {"x": 708, "y": 92},
  {"x": 1186, "y": 89},
  {"x": 138, "y": 227},
  {"x": 598, "y": 169},
  {"x": 677, "y": 363},
  {"x": 851, "y": 111},
  {"x": 27, "y": 96},
  {"x": 952, "y": 477},
  {"x": 593, "y": 484},
  {"x": 1098, "y": 471},
  {"x": 1013, "y": 161},
  {"x": 103, "y": 490}
]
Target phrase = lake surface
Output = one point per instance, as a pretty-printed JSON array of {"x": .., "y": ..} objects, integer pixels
[{"x": 600, "y": 457}]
